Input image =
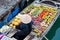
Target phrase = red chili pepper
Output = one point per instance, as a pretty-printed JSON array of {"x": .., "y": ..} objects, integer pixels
[{"x": 43, "y": 13}]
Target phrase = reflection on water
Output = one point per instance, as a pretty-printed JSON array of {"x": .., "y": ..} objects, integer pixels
[{"x": 57, "y": 35}]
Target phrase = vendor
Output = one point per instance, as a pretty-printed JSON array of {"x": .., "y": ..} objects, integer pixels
[{"x": 25, "y": 27}]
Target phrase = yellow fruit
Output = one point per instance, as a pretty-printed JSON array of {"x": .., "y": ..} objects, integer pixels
[
  {"x": 53, "y": 15},
  {"x": 50, "y": 19},
  {"x": 18, "y": 18},
  {"x": 16, "y": 23},
  {"x": 14, "y": 27},
  {"x": 38, "y": 34},
  {"x": 19, "y": 21},
  {"x": 11, "y": 25},
  {"x": 35, "y": 30},
  {"x": 15, "y": 20}
]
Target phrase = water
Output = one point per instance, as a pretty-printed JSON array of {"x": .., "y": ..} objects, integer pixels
[{"x": 57, "y": 35}]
